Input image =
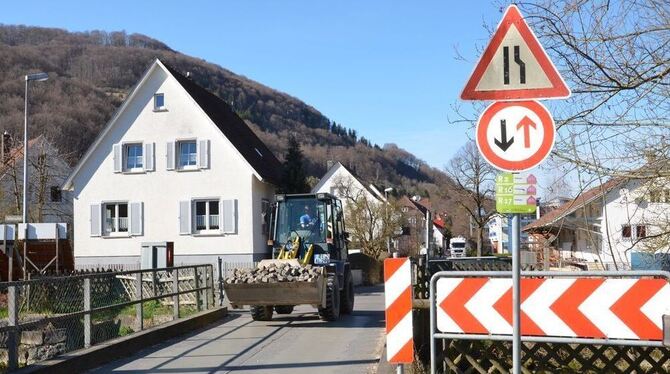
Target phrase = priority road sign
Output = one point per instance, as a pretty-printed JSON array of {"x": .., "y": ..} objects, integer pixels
[
  {"x": 514, "y": 66},
  {"x": 515, "y": 135}
]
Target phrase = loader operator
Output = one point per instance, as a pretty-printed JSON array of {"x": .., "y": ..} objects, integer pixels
[{"x": 306, "y": 220}]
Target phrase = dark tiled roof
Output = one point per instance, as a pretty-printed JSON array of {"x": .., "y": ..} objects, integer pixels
[
  {"x": 233, "y": 127},
  {"x": 578, "y": 202}
]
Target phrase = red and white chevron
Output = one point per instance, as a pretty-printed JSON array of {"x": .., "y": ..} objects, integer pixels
[
  {"x": 398, "y": 300},
  {"x": 600, "y": 308}
]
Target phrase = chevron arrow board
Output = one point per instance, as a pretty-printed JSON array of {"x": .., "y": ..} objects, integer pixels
[{"x": 600, "y": 308}]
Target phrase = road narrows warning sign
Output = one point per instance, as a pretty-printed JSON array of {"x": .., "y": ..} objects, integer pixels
[
  {"x": 515, "y": 135},
  {"x": 514, "y": 66}
]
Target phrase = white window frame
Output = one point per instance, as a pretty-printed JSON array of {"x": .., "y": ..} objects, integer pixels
[
  {"x": 178, "y": 165},
  {"x": 208, "y": 217},
  {"x": 159, "y": 108},
  {"x": 116, "y": 232},
  {"x": 124, "y": 159}
]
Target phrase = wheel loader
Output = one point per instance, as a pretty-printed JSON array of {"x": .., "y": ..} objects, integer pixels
[{"x": 306, "y": 229}]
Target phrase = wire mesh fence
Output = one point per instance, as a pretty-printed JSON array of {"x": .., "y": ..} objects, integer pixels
[{"x": 45, "y": 317}]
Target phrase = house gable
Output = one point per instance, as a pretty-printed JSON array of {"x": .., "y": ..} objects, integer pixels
[
  {"x": 203, "y": 105},
  {"x": 339, "y": 173}
]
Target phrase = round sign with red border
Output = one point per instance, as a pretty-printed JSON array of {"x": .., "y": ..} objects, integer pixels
[{"x": 515, "y": 135}]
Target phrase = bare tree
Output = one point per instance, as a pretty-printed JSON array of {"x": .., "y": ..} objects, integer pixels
[
  {"x": 476, "y": 179},
  {"x": 370, "y": 221},
  {"x": 47, "y": 169}
]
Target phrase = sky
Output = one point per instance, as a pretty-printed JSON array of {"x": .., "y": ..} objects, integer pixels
[{"x": 389, "y": 69}]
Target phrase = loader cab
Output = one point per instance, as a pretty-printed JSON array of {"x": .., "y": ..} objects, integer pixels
[{"x": 317, "y": 219}]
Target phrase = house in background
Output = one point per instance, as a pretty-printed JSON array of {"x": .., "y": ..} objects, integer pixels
[
  {"x": 174, "y": 164},
  {"x": 500, "y": 225},
  {"x": 47, "y": 171},
  {"x": 608, "y": 226},
  {"x": 341, "y": 182}
]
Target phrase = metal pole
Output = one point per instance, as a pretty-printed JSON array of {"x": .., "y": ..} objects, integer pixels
[
  {"x": 175, "y": 298},
  {"x": 87, "y": 316},
  {"x": 386, "y": 215},
  {"x": 139, "y": 308},
  {"x": 25, "y": 157},
  {"x": 429, "y": 226},
  {"x": 433, "y": 322},
  {"x": 12, "y": 338},
  {"x": 516, "y": 294}
]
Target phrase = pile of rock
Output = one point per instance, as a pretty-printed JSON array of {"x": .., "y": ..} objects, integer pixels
[{"x": 274, "y": 273}]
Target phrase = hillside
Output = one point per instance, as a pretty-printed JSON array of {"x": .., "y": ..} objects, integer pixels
[{"x": 91, "y": 72}]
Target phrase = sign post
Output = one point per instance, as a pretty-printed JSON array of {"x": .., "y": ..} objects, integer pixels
[
  {"x": 516, "y": 134},
  {"x": 516, "y": 294}
]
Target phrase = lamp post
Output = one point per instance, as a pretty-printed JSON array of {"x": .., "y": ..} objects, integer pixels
[
  {"x": 37, "y": 77},
  {"x": 386, "y": 210}
]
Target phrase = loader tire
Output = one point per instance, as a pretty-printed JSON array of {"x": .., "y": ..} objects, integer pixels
[
  {"x": 284, "y": 309},
  {"x": 332, "y": 310},
  {"x": 347, "y": 294},
  {"x": 261, "y": 312}
]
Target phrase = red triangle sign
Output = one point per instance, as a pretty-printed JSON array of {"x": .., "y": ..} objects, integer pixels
[{"x": 514, "y": 66}]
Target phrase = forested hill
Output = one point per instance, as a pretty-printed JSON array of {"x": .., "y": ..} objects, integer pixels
[{"x": 91, "y": 73}]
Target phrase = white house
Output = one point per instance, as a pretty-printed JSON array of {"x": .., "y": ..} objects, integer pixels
[
  {"x": 175, "y": 164},
  {"x": 610, "y": 224},
  {"x": 339, "y": 178}
]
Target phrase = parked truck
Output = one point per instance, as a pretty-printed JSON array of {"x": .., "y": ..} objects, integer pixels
[{"x": 306, "y": 230}]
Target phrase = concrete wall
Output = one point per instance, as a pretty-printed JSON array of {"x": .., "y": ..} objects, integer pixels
[{"x": 229, "y": 176}]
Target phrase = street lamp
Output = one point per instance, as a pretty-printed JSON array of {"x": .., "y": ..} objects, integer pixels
[
  {"x": 386, "y": 210},
  {"x": 37, "y": 77}
]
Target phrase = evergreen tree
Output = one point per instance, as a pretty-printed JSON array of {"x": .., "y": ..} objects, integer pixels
[{"x": 293, "y": 174}]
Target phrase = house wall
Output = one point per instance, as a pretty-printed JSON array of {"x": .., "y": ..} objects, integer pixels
[
  {"x": 228, "y": 177},
  {"x": 630, "y": 205}
]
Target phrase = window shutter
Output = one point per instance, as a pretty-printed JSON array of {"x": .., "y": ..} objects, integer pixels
[
  {"x": 118, "y": 158},
  {"x": 203, "y": 154},
  {"x": 136, "y": 218},
  {"x": 184, "y": 217},
  {"x": 169, "y": 154},
  {"x": 149, "y": 157},
  {"x": 229, "y": 215},
  {"x": 96, "y": 215}
]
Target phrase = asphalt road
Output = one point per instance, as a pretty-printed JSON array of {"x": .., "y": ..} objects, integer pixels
[{"x": 297, "y": 343}]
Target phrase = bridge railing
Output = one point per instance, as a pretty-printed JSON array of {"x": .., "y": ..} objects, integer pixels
[{"x": 48, "y": 316}]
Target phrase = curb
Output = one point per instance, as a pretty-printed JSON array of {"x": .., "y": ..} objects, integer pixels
[{"x": 99, "y": 354}]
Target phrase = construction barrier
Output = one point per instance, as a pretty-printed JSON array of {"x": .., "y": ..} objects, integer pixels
[{"x": 398, "y": 301}]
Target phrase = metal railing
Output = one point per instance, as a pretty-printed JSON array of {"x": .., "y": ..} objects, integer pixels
[{"x": 49, "y": 316}]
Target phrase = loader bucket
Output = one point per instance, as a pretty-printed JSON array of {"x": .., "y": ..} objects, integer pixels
[{"x": 280, "y": 293}]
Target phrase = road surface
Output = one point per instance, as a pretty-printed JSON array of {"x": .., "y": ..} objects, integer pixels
[{"x": 297, "y": 343}]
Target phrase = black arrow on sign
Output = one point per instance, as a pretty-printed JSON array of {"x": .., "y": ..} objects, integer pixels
[{"x": 504, "y": 143}]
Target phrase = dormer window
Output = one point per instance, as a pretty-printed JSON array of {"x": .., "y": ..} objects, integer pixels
[{"x": 159, "y": 102}]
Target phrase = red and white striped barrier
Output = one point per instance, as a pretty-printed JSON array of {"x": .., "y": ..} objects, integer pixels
[
  {"x": 398, "y": 300},
  {"x": 601, "y": 308}
]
